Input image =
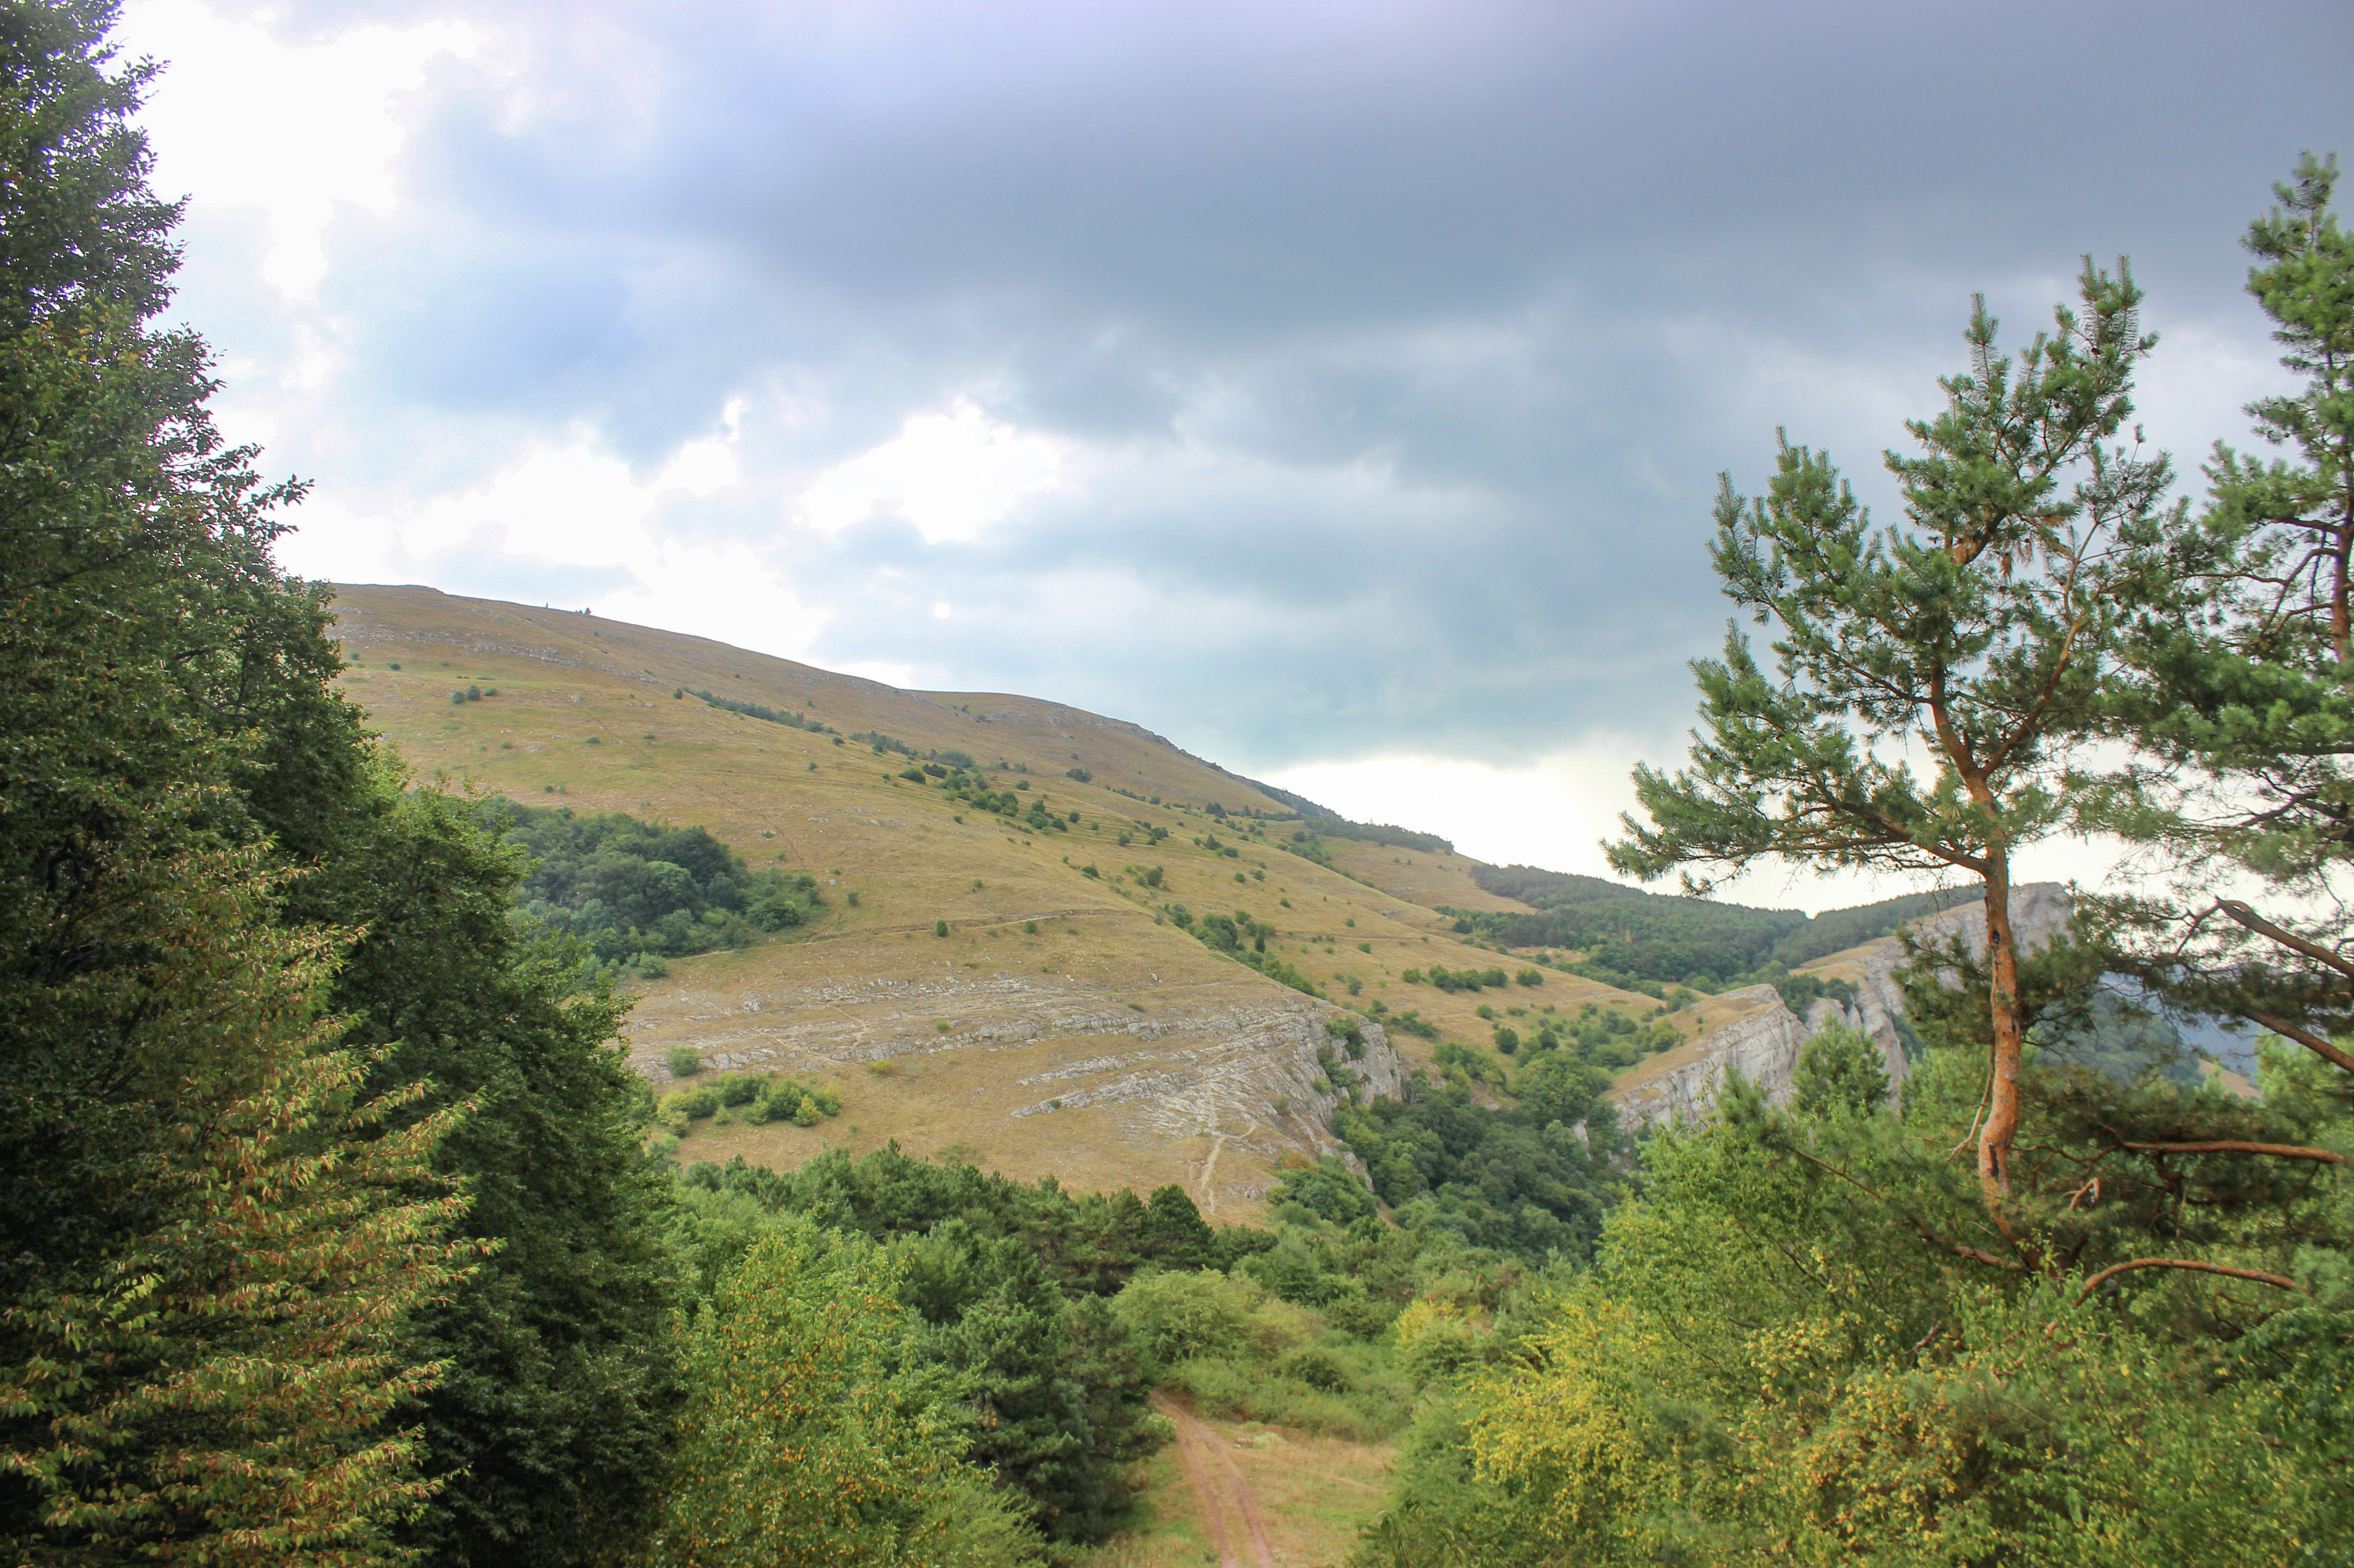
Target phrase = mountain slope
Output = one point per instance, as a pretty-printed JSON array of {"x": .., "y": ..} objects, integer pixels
[{"x": 1106, "y": 1047}]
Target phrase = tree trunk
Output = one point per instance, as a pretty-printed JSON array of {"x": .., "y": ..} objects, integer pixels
[{"x": 2001, "y": 1123}]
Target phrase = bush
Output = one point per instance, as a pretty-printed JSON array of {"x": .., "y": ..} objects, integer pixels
[
  {"x": 1080, "y": 774},
  {"x": 939, "y": 927},
  {"x": 1174, "y": 1317},
  {"x": 683, "y": 1061},
  {"x": 1531, "y": 977}
]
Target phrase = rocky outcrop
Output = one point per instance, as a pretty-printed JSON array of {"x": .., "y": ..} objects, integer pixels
[{"x": 1764, "y": 1043}]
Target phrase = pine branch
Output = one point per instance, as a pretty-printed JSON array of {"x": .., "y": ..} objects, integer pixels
[
  {"x": 2192, "y": 1264},
  {"x": 2234, "y": 1145}
]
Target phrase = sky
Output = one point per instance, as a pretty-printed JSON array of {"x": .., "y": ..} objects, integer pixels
[{"x": 1337, "y": 389}]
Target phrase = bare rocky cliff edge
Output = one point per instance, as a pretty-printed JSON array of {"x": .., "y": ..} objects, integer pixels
[{"x": 1764, "y": 1043}]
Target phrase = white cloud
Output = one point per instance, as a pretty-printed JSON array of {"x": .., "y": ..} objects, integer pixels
[
  {"x": 240, "y": 121},
  {"x": 1555, "y": 812},
  {"x": 571, "y": 511},
  {"x": 949, "y": 475}
]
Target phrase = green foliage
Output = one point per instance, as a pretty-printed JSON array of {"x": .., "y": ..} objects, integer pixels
[
  {"x": 624, "y": 887},
  {"x": 1376, "y": 833},
  {"x": 1525, "y": 1180},
  {"x": 816, "y": 1430},
  {"x": 1327, "y": 1189},
  {"x": 1981, "y": 630},
  {"x": 683, "y": 1061},
  {"x": 1080, "y": 774},
  {"x": 1013, "y": 1283},
  {"x": 212, "y": 1376},
  {"x": 1768, "y": 1365},
  {"x": 211, "y": 1225},
  {"x": 2235, "y": 696},
  {"x": 1838, "y": 1068},
  {"x": 1629, "y": 936},
  {"x": 1464, "y": 979},
  {"x": 548, "y": 1429},
  {"x": 767, "y": 715}
]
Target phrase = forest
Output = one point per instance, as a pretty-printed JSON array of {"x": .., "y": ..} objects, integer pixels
[
  {"x": 336, "y": 1232},
  {"x": 1627, "y": 937}
]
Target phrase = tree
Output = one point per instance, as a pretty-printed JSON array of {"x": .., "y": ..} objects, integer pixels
[
  {"x": 209, "y": 1228},
  {"x": 1838, "y": 1067},
  {"x": 216, "y": 1382},
  {"x": 1978, "y": 635},
  {"x": 174, "y": 751},
  {"x": 549, "y": 1428},
  {"x": 813, "y": 1435},
  {"x": 2234, "y": 685}
]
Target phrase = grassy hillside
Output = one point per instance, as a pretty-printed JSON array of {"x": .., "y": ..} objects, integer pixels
[{"x": 1066, "y": 1024}]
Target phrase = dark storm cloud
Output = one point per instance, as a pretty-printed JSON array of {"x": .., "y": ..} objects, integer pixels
[{"x": 1408, "y": 338}]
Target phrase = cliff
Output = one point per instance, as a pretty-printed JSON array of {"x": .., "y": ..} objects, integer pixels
[{"x": 1764, "y": 1043}]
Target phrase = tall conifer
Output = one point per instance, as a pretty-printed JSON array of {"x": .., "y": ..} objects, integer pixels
[{"x": 1976, "y": 638}]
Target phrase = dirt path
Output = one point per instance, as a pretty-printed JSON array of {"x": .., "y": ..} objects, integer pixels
[{"x": 1229, "y": 1513}]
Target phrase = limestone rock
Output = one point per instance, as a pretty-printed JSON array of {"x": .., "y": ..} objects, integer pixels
[{"x": 1764, "y": 1043}]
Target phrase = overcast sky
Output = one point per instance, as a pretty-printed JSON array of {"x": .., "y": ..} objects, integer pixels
[{"x": 1336, "y": 388}]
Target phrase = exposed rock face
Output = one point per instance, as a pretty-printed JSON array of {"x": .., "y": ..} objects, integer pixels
[
  {"x": 1247, "y": 1076},
  {"x": 1683, "y": 1085}
]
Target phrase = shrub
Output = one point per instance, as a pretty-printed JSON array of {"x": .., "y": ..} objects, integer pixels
[
  {"x": 808, "y": 1114},
  {"x": 939, "y": 927},
  {"x": 1029, "y": 928},
  {"x": 1081, "y": 774},
  {"x": 683, "y": 1061},
  {"x": 1529, "y": 977}
]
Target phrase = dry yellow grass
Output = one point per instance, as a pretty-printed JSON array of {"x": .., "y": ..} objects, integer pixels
[{"x": 983, "y": 1030}]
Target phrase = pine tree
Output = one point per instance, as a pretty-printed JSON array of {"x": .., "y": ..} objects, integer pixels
[
  {"x": 2235, "y": 690},
  {"x": 1978, "y": 635}
]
